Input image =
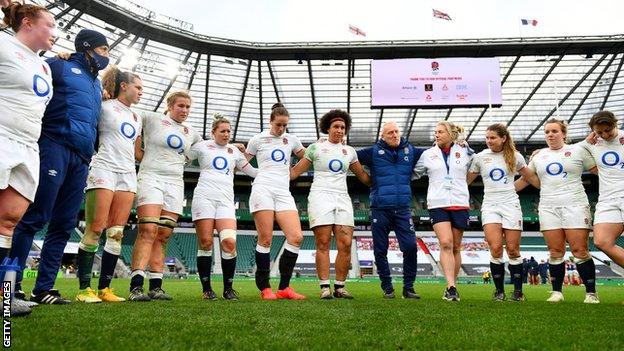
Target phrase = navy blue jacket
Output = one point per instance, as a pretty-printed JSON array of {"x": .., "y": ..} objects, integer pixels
[
  {"x": 391, "y": 172},
  {"x": 72, "y": 115}
]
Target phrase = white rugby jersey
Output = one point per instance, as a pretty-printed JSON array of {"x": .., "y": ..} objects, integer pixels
[
  {"x": 25, "y": 90},
  {"x": 498, "y": 181},
  {"x": 118, "y": 128},
  {"x": 166, "y": 143},
  {"x": 217, "y": 164},
  {"x": 273, "y": 155},
  {"x": 331, "y": 163},
  {"x": 559, "y": 172},
  {"x": 609, "y": 157}
]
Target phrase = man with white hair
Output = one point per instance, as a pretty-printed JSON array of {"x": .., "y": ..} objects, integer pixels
[{"x": 391, "y": 161}]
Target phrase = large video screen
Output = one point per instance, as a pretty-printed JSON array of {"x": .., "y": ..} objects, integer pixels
[{"x": 435, "y": 83}]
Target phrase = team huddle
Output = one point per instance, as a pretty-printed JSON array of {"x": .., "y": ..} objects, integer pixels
[{"x": 52, "y": 116}]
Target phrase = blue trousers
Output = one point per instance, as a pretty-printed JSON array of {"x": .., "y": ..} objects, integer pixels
[
  {"x": 399, "y": 221},
  {"x": 62, "y": 181}
]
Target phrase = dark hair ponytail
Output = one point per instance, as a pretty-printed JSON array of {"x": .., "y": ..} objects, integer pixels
[{"x": 278, "y": 109}]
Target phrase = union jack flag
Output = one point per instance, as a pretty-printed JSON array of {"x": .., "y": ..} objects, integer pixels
[
  {"x": 357, "y": 31},
  {"x": 441, "y": 15}
]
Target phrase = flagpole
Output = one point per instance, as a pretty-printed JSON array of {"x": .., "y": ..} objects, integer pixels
[
  {"x": 490, "y": 101},
  {"x": 557, "y": 98}
]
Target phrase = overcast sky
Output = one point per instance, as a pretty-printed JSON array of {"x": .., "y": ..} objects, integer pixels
[{"x": 326, "y": 20}]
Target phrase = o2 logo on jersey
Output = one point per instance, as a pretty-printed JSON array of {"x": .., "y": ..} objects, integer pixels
[
  {"x": 176, "y": 143},
  {"x": 220, "y": 163},
  {"x": 128, "y": 130},
  {"x": 279, "y": 156},
  {"x": 497, "y": 174},
  {"x": 335, "y": 166},
  {"x": 612, "y": 159},
  {"x": 41, "y": 87},
  {"x": 555, "y": 169}
]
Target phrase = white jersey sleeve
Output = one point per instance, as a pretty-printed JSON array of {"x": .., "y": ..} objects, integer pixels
[
  {"x": 520, "y": 161},
  {"x": 588, "y": 159},
  {"x": 243, "y": 165},
  {"x": 193, "y": 153},
  {"x": 25, "y": 91},
  {"x": 298, "y": 145},
  {"x": 252, "y": 145},
  {"x": 475, "y": 166},
  {"x": 420, "y": 169}
]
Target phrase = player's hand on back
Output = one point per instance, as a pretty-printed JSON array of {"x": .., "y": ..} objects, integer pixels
[
  {"x": 64, "y": 55},
  {"x": 240, "y": 147},
  {"x": 592, "y": 138}
]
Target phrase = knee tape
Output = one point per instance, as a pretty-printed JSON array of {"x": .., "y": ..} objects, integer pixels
[
  {"x": 113, "y": 240},
  {"x": 88, "y": 247},
  {"x": 90, "y": 239},
  {"x": 5, "y": 241},
  {"x": 149, "y": 220},
  {"x": 204, "y": 253},
  {"x": 228, "y": 255},
  {"x": 167, "y": 222},
  {"x": 555, "y": 260},
  {"x": 228, "y": 234},
  {"x": 515, "y": 260},
  {"x": 497, "y": 260}
]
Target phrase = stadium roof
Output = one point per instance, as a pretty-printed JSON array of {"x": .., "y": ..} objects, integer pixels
[{"x": 242, "y": 79}]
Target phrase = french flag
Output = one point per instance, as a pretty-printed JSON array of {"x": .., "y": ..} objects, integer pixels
[{"x": 526, "y": 22}]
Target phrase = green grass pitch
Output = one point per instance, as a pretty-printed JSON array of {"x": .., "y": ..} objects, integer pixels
[{"x": 367, "y": 322}]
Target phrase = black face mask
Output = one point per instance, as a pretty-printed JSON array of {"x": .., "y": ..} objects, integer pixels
[{"x": 97, "y": 62}]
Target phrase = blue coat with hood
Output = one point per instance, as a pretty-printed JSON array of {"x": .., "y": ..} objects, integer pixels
[
  {"x": 391, "y": 173},
  {"x": 72, "y": 115}
]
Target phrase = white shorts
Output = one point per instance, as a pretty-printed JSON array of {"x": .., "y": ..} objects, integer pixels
[
  {"x": 609, "y": 211},
  {"x": 100, "y": 178},
  {"x": 267, "y": 198},
  {"x": 329, "y": 208},
  {"x": 19, "y": 168},
  {"x": 508, "y": 214},
  {"x": 203, "y": 208},
  {"x": 565, "y": 217},
  {"x": 153, "y": 191}
]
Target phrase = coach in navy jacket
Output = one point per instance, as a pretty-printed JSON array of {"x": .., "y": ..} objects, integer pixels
[
  {"x": 69, "y": 129},
  {"x": 391, "y": 162}
]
